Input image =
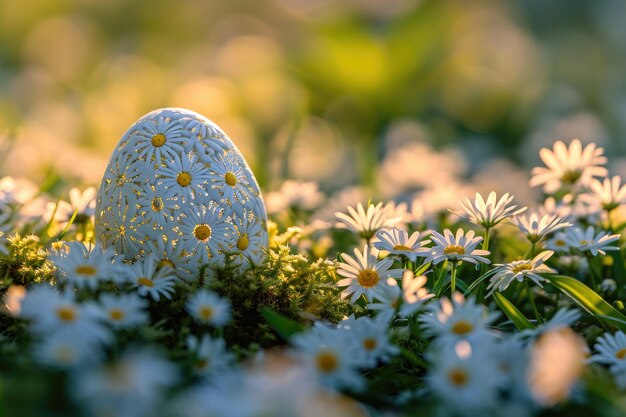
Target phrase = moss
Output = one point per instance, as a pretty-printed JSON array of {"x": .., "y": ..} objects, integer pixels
[{"x": 25, "y": 264}]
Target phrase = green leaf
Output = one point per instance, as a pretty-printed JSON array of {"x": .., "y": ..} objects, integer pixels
[
  {"x": 516, "y": 316},
  {"x": 479, "y": 280},
  {"x": 588, "y": 299},
  {"x": 284, "y": 326}
]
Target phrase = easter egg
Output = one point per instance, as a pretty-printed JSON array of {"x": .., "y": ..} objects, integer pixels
[{"x": 178, "y": 189}]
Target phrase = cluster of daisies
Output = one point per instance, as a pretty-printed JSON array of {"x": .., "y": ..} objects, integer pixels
[{"x": 458, "y": 314}]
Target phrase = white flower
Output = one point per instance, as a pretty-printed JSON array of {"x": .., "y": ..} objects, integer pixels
[
  {"x": 210, "y": 354},
  {"x": 183, "y": 177},
  {"x": 54, "y": 313},
  {"x": 155, "y": 207},
  {"x": 123, "y": 172},
  {"x": 562, "y": 318},
  {"x": 459, "y": 319},
  {"x": 84, "y": 266},
  {"x": 466, "y": 383},
  {"x": 364, "y": 274},
  {"x": 410, "y": 298},
  {"x": 131, "y": 386},
  {"x": 490, "y": 212},
  {"x": 117, "y": 227},
  {"x": 609, "y": 194},
  {"x": 505, "y": 274},
  {"x": 570, "y": 166},
  {"x": 249, "y": 232},
  {"x": 299, "y": 195},
  {"x": 610, "y": 348},
  {"x": 149, "y": 280},
  {"x": 365, "y": 222},
  {"x": 330, "y": 356},
  {"x": 62, "y": 352},
  {"x": 535, "y": 229},
  {"x": 209, "y": 308},
  {"x": 461, "y": 247},
  {"x": 123, "y": 311},
  {"x": 371, "y": 339},
  {"x": 228, "y": 176},
  {"x": 397, "y": 242},
  {"x": 205, "y": 230},
  {"x": 588, "y": 240},
  {"x": 158, "y": 140},
  {"x": 172, "y": 254}
]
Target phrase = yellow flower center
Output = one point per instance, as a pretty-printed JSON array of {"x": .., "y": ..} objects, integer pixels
[
  {"x": 206, "y": 313},
  {"x": 88, "y": 270},
  {"x": 368, "y": 278},
  {"x": 242, "y": 242},
  {"x": 145, "y": 281},
  {"x": 66, "y": 313},
  {"x": 521, "y": 267},
  {"x": 401, "y": 247},
  {"x": 157, "y": 204},
  {"x": 621, "y": 354},
  {"x": 158, "y": 140},
  {"x": 570, "y": 177},
  {"x": 326, "y": 361},
  {"x": 458, "y": 377},
  {"x": 183, "y": 179},
  {"x": 64, "y": 354},
  {"x": 202, "y": 232},
  {"x": 584, "y": 242},
  {"x": 121, "y": 180},
  {"x": 459, "y": 250},
  {"x": 165, "y": 262},
  {"x": 116, "y": 314},
  {"x": 230, "y": 179},
  {"x": 462, "y": 327},
  {"x": 559, "y": 242},
  {"x": 202, "y": 363},
  {"x": 370, "y": 344}
]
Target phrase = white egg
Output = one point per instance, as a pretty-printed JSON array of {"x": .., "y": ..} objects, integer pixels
[{"x": 178, "y": 189}]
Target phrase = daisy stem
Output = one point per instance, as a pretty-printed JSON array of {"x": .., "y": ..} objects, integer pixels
[
  {"x": 453, "y": 265},
  {"x": 610, "y": 222},
  {"x": 531, "y": 299},
  {"x": 483, "y": 267},
  {"x": 592, "y": 271}
]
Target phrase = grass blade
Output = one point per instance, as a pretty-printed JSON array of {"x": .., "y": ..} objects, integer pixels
[{"x": 516, "y": 316}]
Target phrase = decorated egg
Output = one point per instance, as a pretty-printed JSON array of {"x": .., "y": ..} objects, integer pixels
[{"x": 177, "y": 188}]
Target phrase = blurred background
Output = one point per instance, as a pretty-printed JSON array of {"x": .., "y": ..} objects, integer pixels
[{"x": 394, "y": 96}]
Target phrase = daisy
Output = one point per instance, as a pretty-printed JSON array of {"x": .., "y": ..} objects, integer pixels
[
  {"x": 570, "y": 166},
  {"x": 461, "y": 247},
  {"x": 154, "y": 207},
  {"x": 151, "y": 281},
  {"x": 209, "y": 308},
  {"x": 206, "y": 232},
  {"x": 467, "y": 384},
  {"x": 51, "y": 313},
  {"x": 211, "y": 140},
  {"x": 490, "y": 212},
  {"x": 610, "y": 348},
  {"x": 459, "y": 319},
  {"x": 588, "y": 241},
  {"x": 562, "y": 318},
  {"x": 365, "y": 223},
  {"x": 505, "y": 274},
  {"x": 228, "y": 176},
  {"x": 330, "y": 357},
  {"x": 609, "y": 194},
  {"x": 183, "y": 177},
  {"x": 131, "y": 386},
  {"x": 123, "y": 311},
  {"x": 298, "y": 195},
  {"x": 84, "y": 266},
  {"x": 364, "y": 274},
  {"x": 171, "y": 253},
  {"x": 158, "y": 140},
  {"x": 406, "y": 300},
  {"x": 117, "y": 227},
  {"x": 371, "y": 339},
  {"x": 250, "y": 234},
  {"x": 397, "y": 242},
  {"x": 125, "y": 172},
  {"x": 83, "y": 203},
  {"x": 61, "y": 352},
  {"x": 536, "y": 229},
  {"x": 211, "y": 356}
]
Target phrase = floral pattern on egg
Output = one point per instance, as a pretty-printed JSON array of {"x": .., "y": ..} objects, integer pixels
[{"x": 177, "y": 187}]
